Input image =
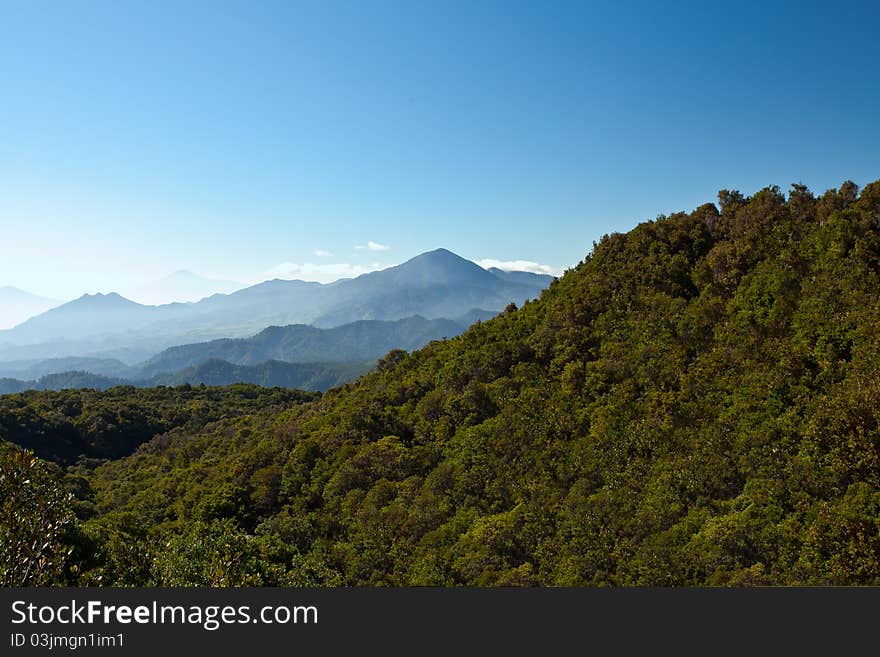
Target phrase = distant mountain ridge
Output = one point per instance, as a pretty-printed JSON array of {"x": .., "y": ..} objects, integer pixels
[
  {"x": 361, "y": 341},
  {"x": 270, "y": 374},
  {"x": 16, "y": 306},
  {"x": 358, "y": 342},
  {"x": 36, "y": 369},
  {"x": 295, "y": 356},
  {"x": 437, "y": 284},
  {"x": 90, "y": 314},
  {"x": 61, "y": 381},
  {"x": 214, "y": 372}
]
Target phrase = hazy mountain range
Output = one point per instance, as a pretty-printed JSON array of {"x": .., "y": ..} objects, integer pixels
[
  {"x": 318, "y": 358},
  {"x": 434, "y": 285},
  {"x": 17, "y": 306},
  {"x": 272, "y": 373},
  {"x": 277, "y": 333},
  {"x": 361, "y": 341}
]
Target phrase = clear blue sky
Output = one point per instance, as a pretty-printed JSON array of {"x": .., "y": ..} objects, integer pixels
[{"x": 227, "y": 138}]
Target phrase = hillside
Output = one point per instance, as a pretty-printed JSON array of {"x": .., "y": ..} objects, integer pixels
[
  {"x": 696, "y": 402},
  {"x": 72, "y": 424},
  {"x": 61, "y": 381},
  {"x": 212, "y": 372},
  {"x": 270, "y": 373},
  {"x": 296, "y": 356},
  {"x": 35, "y": 369},
  {"x": 356, "y": 342}
]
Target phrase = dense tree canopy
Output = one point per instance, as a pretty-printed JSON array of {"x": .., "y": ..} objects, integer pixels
[
  {"x": 70, "y": 424},
  {"x": 697, "y": 402}
]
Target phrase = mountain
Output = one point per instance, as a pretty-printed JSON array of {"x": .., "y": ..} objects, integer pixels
[
  {"x": 10, "y": 386},
  {"x": 214, "y": 372},
  {"x": 91, "y": 314},
  {"x": 30, "y": 369},
  {"x": 61, "y": 381},
  {"x": 356, "y": 342},
  {"x": 17, "y": 306},
  {"x": 272, "y": 373},
  {"x": 182, "y": 286},
  {"x": 695, "y": 403},
  {"x": 522, "y": 277},
  {"x": 121, "y": 347},
  {"x": 435, "y": 285},
  {"x": 328, "y": 357}
]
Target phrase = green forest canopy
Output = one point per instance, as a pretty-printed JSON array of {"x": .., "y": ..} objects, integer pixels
[{"x": 696, "y": 402}]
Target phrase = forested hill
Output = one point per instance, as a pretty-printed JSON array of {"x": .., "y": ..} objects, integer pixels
[
  {"x": 697, "y": 402},
  {"x": 212, "y": 372}
]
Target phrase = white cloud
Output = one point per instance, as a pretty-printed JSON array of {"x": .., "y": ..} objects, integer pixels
[
  {"x": 373, "y": 246},
  {"x": 321, "y": 253},
  {"x": 519, "y": 265},
  {"x": 322, "y": 273}
]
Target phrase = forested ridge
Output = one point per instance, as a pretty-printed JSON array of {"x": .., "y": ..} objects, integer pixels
[
  {"x": 212, "y": 372},
  {"x": 695, "y": 403}
]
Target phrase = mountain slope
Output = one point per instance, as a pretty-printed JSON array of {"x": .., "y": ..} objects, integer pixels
[
  {"x": 11, "y": 386},
  {"x": 16, "y": 306},
  {"x": 109, "y": 367},
  {"x": 434, "y": 284},
  {"x": 695, "y": 403},
  {"x": 356, "y": 342},
  {"x": 61, "y": 381},
  {"x": 522, "y": 277},
  {"x": 212, "y": 372},
  {"x": 313, "y": 359},
  {"x": 91, "y": 314},
  {"x": 110, "y": 424},
  {"x": 271, "y": 373}
]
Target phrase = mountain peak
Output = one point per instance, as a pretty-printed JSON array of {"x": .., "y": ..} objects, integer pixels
[
  {"x": 102, "y": 301},
  {"x": 441, "y": 251},
  {"x": 440, "y": 255},
  {"x": 440, "y": 266},
  {"x": 442, "y": 258}
]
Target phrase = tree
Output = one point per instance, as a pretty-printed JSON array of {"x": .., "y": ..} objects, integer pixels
[{"x": 34, "y": 515}]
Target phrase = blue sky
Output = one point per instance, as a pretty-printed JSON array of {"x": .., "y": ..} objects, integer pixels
[{"x": 238, "y": 140}]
